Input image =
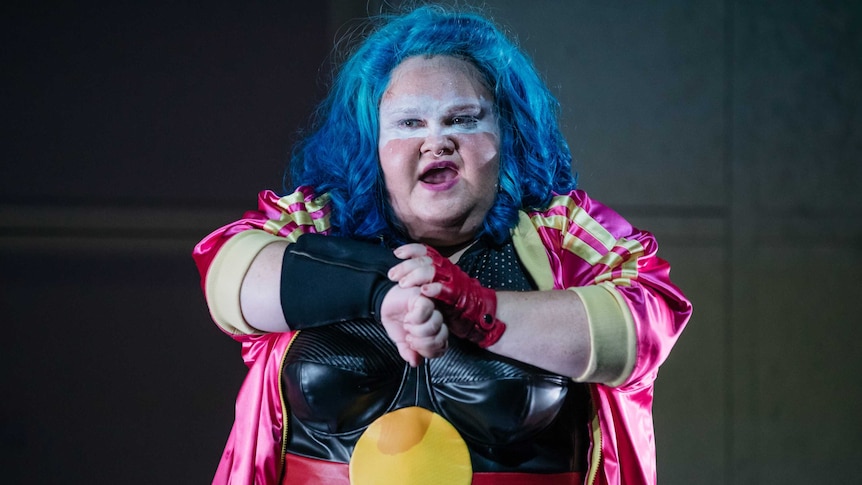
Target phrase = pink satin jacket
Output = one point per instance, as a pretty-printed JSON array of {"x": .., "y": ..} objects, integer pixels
[{"x": 577, "y": 244}]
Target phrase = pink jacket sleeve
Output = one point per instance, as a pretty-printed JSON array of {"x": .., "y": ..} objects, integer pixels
[
  {"x": 591, "y": 246},
  {"x": 253, "y": 452}
]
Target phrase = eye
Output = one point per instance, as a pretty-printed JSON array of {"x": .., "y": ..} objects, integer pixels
[
  {"x": 410, "y": 123},
  {"x": 464, "y": 120}
]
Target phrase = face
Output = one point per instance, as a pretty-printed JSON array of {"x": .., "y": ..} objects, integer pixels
[{"x": 439, "y": 149}]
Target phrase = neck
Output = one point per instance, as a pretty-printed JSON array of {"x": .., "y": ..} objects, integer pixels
[{"x": 455, "y": 252}]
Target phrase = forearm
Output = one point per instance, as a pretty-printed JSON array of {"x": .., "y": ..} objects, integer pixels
[
  {"x": 585, "y": 332},
  {"x": 548, "y": 329},
  {"x": 318, "y": 280}
]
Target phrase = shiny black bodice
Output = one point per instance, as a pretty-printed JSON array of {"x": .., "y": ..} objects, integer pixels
[{"x": 513, "y": 416}]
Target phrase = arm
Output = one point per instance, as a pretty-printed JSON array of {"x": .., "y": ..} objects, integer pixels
[
  {"x": 225, "y": 256},
  {"x": 635, "y": 313},
  {"x": 260, "y": 293},
  {"x": 548, "y": 329},
  {"x": 346, "y": 280},
  {"x": 620, "y": 315}
]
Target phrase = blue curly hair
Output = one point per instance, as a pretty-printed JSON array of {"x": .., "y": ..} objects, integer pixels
[{"x": 340, "y": 156}]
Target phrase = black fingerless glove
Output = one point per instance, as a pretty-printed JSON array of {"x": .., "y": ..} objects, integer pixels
[{"x": 328, "y": 279}]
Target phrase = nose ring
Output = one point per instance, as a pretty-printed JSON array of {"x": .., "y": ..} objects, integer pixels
[{"x": 439, "y": 153}]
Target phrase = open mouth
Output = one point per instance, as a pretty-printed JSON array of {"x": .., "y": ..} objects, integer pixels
[{"x": 439, "y": 174}]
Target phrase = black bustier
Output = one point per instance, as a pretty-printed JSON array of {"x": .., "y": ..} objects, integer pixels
[{"x": 513, "y": 416}]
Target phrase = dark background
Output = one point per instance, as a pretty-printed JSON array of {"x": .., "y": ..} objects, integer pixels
[
  {"x": 130, "y": 130},
  {"x": 729, "y": 128}
]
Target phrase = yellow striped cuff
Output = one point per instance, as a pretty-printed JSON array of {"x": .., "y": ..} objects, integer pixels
[
  {"x": 613, "y": 342},
  {"x": 225, "y": 277}
]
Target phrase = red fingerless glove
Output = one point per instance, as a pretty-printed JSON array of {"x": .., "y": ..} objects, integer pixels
[{"x": 469, "y": 308}]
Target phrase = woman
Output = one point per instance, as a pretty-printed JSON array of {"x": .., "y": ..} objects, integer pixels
[{"x": 401, "y": 310}]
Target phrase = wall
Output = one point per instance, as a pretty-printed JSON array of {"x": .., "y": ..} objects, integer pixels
[
  {"x": 730, "y": 129},
  {"x": 131, "y": 130}
]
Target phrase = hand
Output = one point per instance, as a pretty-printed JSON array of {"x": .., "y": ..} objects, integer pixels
[
  {"x": 468, "y": 308},
  {"x": 417, "y": 269},
  {"x": 413, "y": 324}
]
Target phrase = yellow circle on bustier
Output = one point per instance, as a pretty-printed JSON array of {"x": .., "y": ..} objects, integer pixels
[{"x": 410, "y": 446}]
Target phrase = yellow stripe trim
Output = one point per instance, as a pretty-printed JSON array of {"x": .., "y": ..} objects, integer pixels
[
  {"x": 582, "y": 219},
  {"x": 596, "y": 428},
  {"x": 225, "y": 276},
  {"x": 299, "y": 217},
  {"x": 613, "y": 343},
  {"x": 532, "y": 253},
  {"x": 628, "y": 269}
]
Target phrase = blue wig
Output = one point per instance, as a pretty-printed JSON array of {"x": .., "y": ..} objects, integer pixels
[{"x": 340, "y": 156}]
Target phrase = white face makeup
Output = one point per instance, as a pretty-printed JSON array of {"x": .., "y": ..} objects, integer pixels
[
  {"x": 439, "y": 148},
  {"x": 424, "y": 116}
]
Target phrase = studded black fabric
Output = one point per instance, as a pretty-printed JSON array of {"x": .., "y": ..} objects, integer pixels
[{"x": 496, "y": 267}]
